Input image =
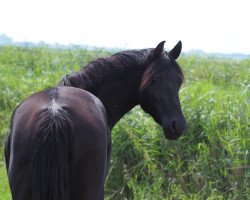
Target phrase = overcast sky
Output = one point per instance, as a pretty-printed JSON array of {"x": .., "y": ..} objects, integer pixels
[{"x": 210, "y": 25}]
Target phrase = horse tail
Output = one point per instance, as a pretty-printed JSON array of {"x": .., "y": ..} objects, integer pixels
[{"x": 51, "y": 156}]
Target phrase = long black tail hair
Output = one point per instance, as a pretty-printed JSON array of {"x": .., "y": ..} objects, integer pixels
[{"x": 51, "y": 156}]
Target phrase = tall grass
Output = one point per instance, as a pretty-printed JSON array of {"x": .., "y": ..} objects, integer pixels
[{"x": 211, "y": 161}]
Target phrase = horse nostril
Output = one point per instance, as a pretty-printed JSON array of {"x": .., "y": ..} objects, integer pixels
[{"x": 173, "y": 125}]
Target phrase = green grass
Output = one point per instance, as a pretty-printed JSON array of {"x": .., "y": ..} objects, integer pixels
[
  {"x": 4, "y": 187},
  {"x": 211, "y": 161}
]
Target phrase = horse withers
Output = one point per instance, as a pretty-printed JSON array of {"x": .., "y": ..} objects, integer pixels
[{"x": 59, "y": 144}]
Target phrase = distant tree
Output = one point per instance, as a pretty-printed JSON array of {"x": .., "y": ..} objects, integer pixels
[{"x": 5, "y": 40}]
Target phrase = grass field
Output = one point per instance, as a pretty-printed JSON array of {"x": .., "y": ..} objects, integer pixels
[{"x": 211, "y": 161}]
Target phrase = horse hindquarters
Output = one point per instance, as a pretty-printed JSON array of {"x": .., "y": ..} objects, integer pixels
[
  {"x": 58, "y": 147},
  {"x": 39, "y": 156}
]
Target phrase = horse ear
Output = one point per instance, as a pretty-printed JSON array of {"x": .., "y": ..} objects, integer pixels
[
  {"x": 159, "y": 49},
  {"x": 175, "y": 52}
]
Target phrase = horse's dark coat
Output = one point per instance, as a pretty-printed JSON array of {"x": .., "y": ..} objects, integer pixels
[{"x": 60, "y": 144}]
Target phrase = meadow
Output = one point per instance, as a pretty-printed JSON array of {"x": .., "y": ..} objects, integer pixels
[{"x": 211, "y": 161}]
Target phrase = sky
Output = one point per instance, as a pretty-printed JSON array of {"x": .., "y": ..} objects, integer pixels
[{"x": 209, "y": 25}]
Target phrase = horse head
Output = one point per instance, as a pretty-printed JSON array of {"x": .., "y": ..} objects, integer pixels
[{"x": 159, "y": 90}]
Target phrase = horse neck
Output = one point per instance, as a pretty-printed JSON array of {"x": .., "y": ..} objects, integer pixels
[{"x": 120, "y": 96}]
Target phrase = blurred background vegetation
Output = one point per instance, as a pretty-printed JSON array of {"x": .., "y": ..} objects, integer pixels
[{"x": 211, "y": 161}]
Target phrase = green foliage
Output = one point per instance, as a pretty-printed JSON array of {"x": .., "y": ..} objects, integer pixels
[
  {"x": 4, "y": 187},
  {"x": 211, "y": 161}
]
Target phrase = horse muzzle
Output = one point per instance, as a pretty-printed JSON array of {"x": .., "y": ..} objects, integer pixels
[{"x": 174, "y": 128}]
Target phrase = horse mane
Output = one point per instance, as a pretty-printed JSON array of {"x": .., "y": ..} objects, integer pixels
[{"x": 113, "y": 67}]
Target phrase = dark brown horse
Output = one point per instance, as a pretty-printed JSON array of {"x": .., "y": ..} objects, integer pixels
[{"x": 59, "y": 144}]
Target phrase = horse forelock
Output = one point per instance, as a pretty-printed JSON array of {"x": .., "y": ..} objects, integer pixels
[{"x": 154, "y": 71}]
